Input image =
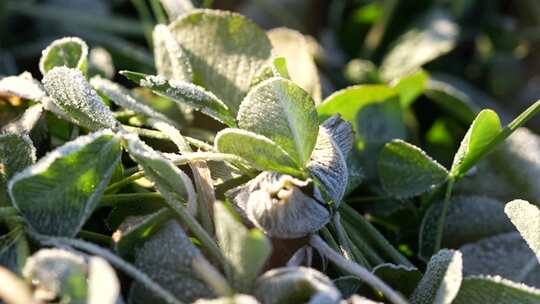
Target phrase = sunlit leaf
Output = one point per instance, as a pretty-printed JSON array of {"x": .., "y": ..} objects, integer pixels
[
  {"x": 69, "y": 52},
  {"x": 58, "y": 193},
  {"x": 283, "y": 112}
]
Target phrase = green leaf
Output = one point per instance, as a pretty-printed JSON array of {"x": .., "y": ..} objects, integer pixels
[
  {"x": 225, "y": 50},
  {"x": 123, "y": 98},
  {"x": 482, "y": 132},
  {"x": 167, "y": 257},
  {"x": 452, "y": 99},
  {"x": 411, "y": 87},
  {"x": 262, "y": 152},
  {"x": 495, "y": 290},
  {"x": 506, "y": 255},
  {"x": 171, "y": 61},
  {"x": 71, "y": 92},
  {"x": 71, "y": 52},
  {"x": 170, "y": 181},
  {"x": 434, "y": 35},
  {"x": 246, "y": 250},
  {"x": 405, "y": 170},
  {"x": 402, "y": 278},
  {"x": 59, "y": 192},
  {"x": 442, "y": 280},
  {"x": 16, "y": 153},
  {"x": 349, "y": 101},
  {"x": 526, "y": 218},
  {"x": 471, "y": 218},
  {"x": 185, "y": 92},
  {"x": 135, "y": 231},
  {"x": 293, "y": 46},
  {"x": 280, "y": 110}
]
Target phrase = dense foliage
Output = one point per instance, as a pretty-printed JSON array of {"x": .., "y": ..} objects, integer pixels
[{"x": 233, "y": 164}]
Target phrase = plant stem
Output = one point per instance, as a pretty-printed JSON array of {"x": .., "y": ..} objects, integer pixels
[
  {"x": 125, "y": 181},
  {"x": 376, "y": 33},
  {"x": 376, "y": 236},
  {"x": 444, "y": 211},
  {"x": 113, "y": 199},
  {"x": 356, "y": 270},
  {"x": 366, "y": 199},
  {"x": 146, "y": 19},
  {"x": 212, "y": 276},
  {"x": 160, "y": 135},
  {"x": 126, "y": 267},
  {"x": 198, "y": 231},
  {"x": 158, "y": 11},
  {"x": 370, "y": 254},
  {"x": 350, "y": 251},
  {"x": 8, "y": 211},
  {"x": 95, "y": 237},
  {"x": 329, "y": 238}
]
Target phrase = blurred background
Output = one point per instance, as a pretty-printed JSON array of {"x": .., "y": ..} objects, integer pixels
[{"x": 485, "y": 48}]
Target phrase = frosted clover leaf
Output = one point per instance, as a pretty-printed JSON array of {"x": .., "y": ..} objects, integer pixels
[{"x": 71, "y": 92}]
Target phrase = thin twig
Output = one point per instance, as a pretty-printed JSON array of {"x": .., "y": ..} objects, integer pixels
[{"x": 356, "y": 270}]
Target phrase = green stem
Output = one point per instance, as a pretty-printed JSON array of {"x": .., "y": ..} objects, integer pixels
[
  {"x": 375, "y": 235},
  {"x": 146, "y": 19},
  {"x": 160, "y": 135},
  {"x": 329, "y": 238},
  {"x": 356, "y": 270},
  {"x": 444, "y": 211},
  {"x": 158, "y": 11},
  {"x": 8, "y": 212},
  {"x": 113, "y": 199},
  {"x": 367, "y": 199},
  {"x": 125, "y": 181},
  {"x": 370, "y": 254},
  {"x": 198, "y": 231},
  {"x": 212, "y": 277},
  {"x": 376, "y": 33},
  {"x": 350, "y": 251},
  {"x": 95, "y": 237}
]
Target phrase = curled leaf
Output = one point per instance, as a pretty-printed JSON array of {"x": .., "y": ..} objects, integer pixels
[
  {"x": 328, "y": 160},
  {"x": 281, "y": 205}
]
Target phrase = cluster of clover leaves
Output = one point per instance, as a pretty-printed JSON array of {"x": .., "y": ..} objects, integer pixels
[{"x": 281, "y": 164}]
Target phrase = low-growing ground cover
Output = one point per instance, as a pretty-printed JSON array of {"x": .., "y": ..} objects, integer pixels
[{"x": 224, "y": 174}]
